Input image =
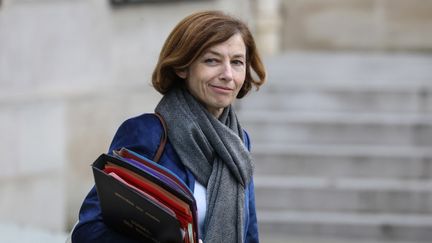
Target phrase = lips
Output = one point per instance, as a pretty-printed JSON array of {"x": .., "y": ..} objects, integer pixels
[{"x": 221, "y": 88}]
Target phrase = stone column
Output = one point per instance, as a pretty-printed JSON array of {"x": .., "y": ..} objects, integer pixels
[{"x": 268, "y": 22}]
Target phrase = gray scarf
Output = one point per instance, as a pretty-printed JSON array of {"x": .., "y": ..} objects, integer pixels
[{"x": 213, "y": 150}]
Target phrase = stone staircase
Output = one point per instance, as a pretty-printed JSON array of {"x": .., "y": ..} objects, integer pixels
[{"x": 342, "y": 145}]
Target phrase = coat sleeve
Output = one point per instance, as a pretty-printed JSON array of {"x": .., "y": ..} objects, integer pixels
[
  {"x": 252, "y": 227},
  {"x": 252, "y": 235},
  {"x": 140, "y": 134}
]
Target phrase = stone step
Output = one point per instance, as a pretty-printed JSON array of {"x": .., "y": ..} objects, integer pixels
[
  {"x": 346, "y": 82},
  {"x": 392, "y": 162},
  {"x": 343, "y": 195},
  {"x": 281, "y": 81},
  {"x": 385, "y": 227},
  {"x": 343, "y": 149},
  {"x": 339, "y": 99},
  {"x": 349, "y": 69},
  {"x": 352, "y": 128},
  {"x": 337, "y": 117}
]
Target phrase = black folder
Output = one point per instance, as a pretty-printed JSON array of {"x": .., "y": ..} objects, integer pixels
[{"x": 137, "y": 211}]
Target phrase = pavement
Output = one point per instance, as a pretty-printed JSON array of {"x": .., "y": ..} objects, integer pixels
[
  {"x": 11, "y": 233},
  {"x": 285, "y": 239}
]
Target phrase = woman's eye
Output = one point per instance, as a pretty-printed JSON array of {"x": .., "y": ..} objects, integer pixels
[
  {"x": 237, "y": 62},
  {"x": 210, "y": 60}
]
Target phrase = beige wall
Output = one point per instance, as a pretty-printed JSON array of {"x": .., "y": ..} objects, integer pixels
[{"x": 384, "y": 25}]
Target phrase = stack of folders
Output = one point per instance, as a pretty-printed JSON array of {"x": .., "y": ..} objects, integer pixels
[{"x": 140, "y": 198}]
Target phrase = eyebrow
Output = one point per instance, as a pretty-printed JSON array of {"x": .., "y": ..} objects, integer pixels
[{"x": 219, "y": 54}]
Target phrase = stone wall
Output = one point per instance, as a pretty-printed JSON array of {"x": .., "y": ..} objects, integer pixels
[
  {"x": 383, "y": 25},
  {"x": 70, "y": 72}
]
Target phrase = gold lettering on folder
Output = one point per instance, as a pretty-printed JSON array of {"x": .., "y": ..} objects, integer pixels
[
  {"x": 124, "y": 199},
  {"x": 153, "y": 217}
]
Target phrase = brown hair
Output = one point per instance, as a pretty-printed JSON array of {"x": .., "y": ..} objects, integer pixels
[{"x": 195, "y": 34}]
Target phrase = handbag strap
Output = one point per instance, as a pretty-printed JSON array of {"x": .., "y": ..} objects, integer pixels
[{"x": 164, "y": 139}]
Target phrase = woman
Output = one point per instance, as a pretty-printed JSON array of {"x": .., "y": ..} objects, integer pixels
[{"x": 208, "y": 61}]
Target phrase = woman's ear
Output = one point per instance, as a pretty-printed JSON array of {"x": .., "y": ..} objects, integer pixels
[{"x": 183, "y": 73}]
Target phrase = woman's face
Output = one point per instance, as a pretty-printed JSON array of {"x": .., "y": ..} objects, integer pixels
[{"x": 216, "y": 77}]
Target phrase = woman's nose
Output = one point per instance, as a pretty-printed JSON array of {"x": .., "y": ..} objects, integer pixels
[{"x": 226, "y": 72}]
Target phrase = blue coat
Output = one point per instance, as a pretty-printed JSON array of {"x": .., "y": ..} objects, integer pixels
[{"x": 142, "y": 135}]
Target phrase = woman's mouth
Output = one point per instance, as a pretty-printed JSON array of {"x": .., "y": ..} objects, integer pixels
[{"x": 221, "y": 89}]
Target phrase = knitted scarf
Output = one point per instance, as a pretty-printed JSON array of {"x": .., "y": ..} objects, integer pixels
[{"x": 213, "y": 150}]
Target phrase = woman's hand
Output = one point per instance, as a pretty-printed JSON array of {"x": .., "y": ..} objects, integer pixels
[{"x": 200, "y": 241}]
